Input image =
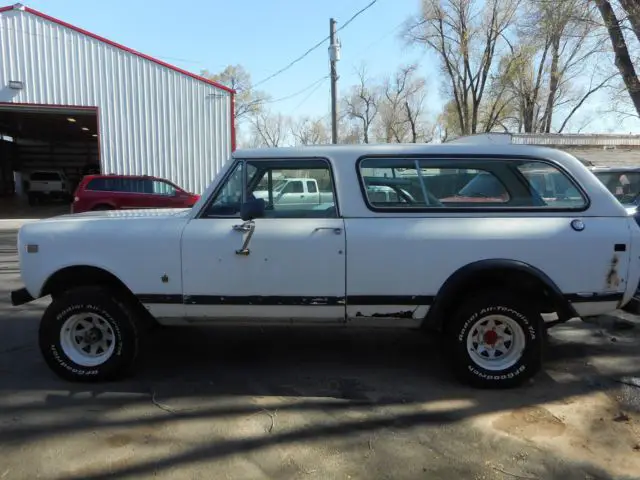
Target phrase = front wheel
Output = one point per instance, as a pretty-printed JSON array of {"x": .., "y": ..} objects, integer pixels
[
  {"x": 496, "y": 339},
  {"x": 87, "y": 335}
]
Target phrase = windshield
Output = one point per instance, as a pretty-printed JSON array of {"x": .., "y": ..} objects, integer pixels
[{"x": 625, "y": 186}]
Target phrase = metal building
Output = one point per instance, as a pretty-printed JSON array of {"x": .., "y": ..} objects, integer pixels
[{"x": 70, "y": 99}]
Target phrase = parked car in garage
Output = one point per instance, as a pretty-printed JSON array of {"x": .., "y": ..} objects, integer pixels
[
  {"x": 118, "y": 192},
  {"x": 485, "y": 274},
  {"x": 47, "y": 185}
]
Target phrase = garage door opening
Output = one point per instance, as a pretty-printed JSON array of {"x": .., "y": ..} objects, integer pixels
[{"x": 45, "y": 151}]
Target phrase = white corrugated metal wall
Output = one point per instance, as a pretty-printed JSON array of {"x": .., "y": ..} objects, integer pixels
[{"x": 153, "y": 120}]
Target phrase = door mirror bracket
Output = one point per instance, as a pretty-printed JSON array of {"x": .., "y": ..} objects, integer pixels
[{"x": 252, "y": 209}]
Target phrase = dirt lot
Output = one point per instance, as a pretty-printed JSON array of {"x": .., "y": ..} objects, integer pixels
[{"x": 300, "y": 404}]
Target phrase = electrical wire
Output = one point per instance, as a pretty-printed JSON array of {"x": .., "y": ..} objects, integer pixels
[
  {"x": 311, "y": 85},
  {"x": 316, "y": 46},
  {"x": 297, "y": 107}
]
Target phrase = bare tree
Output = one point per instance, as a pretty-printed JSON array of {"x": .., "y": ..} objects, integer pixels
[
  {"x": 632, "y": 10},
  {"x": 467, "y": 36},
  {"x": 248, "y": 101},
  {"x": 361, "y": 103},
  {"x": 558, "y": 44},
  {"x": 392, "y": 126},
  {"x": 310, "y": 131},
  {"x": 621, "y": 53},
  {"x": 268, "y": 129}
]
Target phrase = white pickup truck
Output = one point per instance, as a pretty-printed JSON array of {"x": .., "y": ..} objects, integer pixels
[
  {"x": 293, "y": 192},
  {"x": 484, "y": 268}
]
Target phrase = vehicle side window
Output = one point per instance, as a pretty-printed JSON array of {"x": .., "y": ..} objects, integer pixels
[
  {"x": 393, "y": 183},
  {"x": 228, "y": 199},
  {"x": 280, "y": 184},
  {"x": 460, "y": 183},
  {"x": 45, "y": 177},
  {"x": 294, "y": 187},
  {"x": 98, "y": 185},
  {"x": 163, "y": 188},
  {"x": 552, "y": 185}
]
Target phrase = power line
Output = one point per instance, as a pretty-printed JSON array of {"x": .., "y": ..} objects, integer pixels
[
  {"x": 309, "y": 96},
  {"x": 316, "y": 46},
  {"x": 311, "y": 85},
  {"x": 356, "y": 14},
  {"x": 379, "y": 39}
]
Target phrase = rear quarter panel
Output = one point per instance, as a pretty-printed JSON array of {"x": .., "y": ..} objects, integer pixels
[{"x": 415, "y": 256}]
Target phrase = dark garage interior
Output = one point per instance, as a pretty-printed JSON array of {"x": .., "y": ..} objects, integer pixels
[{"x": 36, "y": 138}]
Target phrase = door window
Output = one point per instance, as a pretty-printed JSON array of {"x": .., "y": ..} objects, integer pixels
[
  {"x": 163, "y": 188},
  {"x": 280, "y": 184}
]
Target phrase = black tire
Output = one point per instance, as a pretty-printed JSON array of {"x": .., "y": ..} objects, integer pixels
[
  {"x": 464, "y": 323},
  {"x": 98, "y": 208},
  {"x": 118, "y": 317}
]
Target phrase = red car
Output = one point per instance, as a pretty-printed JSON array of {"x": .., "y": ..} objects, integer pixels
[{"x": 117, "y": 192}]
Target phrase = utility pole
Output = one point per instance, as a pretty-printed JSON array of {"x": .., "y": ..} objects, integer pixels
[{"x": 334, "y": 56}]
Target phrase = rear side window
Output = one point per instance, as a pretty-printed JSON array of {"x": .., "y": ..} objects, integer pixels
[
  {"x": 311, "y": 187},
  {"x": 99, "y": 185},
  {"x": 391, "y": 183},
  {"x": 120, "y": 185},
  {"x": 45, "y": 177}
]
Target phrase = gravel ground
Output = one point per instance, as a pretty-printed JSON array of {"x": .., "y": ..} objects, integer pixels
[{"x": 316, "y": 404}]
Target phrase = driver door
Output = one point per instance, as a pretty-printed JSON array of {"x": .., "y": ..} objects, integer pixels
[{"x": 285, "y": 267}]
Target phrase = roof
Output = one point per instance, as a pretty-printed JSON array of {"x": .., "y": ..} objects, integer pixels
[
  {"x": 335, "y": 151},
  {"x": 23, "y": 8}
]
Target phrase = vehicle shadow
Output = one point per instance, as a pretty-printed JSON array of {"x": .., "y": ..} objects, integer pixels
[{"x": 343, "y": 384}]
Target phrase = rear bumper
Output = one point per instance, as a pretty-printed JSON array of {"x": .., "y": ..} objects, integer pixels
[{"x": 20, "y": 297}]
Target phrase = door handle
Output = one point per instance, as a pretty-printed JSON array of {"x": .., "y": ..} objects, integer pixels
[
  {"x": 336, "y": 230},
  {"x": 242, "y": 228}
]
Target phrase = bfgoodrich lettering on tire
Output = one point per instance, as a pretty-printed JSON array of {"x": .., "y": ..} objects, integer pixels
[
  {"x": 87, "y": 335},
  {"x": 496, "y": 340}
]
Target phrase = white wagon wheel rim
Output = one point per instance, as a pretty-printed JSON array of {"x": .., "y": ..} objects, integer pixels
[
  {"x": 87, "y": 339},
  {"x": 496, "y": 342}
]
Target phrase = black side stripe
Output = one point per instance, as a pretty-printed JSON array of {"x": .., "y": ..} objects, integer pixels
[
  {"x": 410, "y": 300},
  {"x": 601, "y": 297}
]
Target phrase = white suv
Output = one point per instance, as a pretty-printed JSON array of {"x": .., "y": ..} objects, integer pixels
[{"x": 484, "y": 267}]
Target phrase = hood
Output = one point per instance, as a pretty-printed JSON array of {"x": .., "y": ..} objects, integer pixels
[{"x": 123, "y": 214}]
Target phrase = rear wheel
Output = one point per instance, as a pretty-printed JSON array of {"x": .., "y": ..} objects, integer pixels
[
  {"x": 87, "y": 335},
  {"x": 496, "y": 339}
]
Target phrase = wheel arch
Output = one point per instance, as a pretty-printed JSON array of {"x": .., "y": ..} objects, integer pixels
[
  {"x": 501, "y": 273},
  {"x": 75, "y": 276},
  {"x": 81, "y": 275}
]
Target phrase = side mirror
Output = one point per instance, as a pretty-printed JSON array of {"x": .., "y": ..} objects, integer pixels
[{"x": 252, "y": 209}]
